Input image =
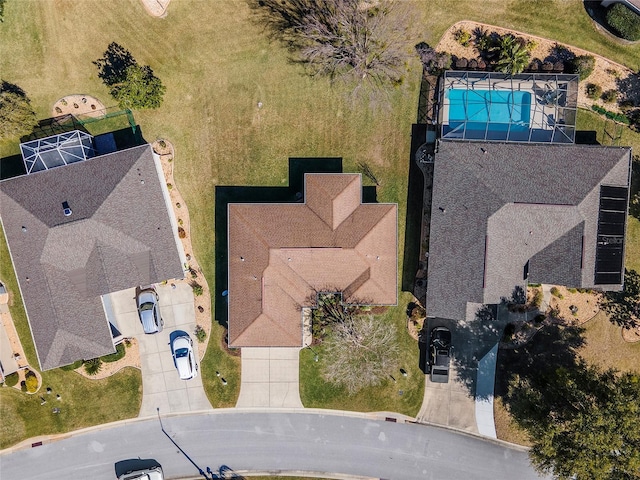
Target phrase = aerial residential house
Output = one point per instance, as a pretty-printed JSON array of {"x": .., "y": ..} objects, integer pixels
[
  {"x": 281, "y": 255},
  {"x": 83, "y": 222},
  {"x": 515, "y": 200}
]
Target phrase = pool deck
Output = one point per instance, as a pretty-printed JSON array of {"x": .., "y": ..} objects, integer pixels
[{"x": 541, "y": 115}]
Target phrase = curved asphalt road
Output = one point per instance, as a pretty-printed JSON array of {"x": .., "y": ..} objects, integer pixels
[{"x": 272, "y": 441}]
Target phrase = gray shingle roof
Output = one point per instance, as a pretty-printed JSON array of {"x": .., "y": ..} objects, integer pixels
[
  {"x": 118, "y": 236},
  {"x": 498, "y": 205}
]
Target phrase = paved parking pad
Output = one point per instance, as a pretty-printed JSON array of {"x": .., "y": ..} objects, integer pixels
[
  {"x": 270, "y": 378},
  {"x": 161, "y": 386},
  {"x": 448, "y": 404}
]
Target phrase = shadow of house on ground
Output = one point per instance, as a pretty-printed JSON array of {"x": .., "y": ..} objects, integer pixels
[
  {"x": 413, "y": 224},
  {"x": 473, "y": 338},
  {"x": 294, "y": 193}
]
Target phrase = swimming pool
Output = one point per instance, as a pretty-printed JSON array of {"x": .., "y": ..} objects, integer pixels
[{"x": 489, "y": 110}]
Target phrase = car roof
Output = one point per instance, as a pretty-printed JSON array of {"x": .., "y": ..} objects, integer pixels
[
  {"x": 148, "y": 321},
  {"x": 182, "y": 341}
]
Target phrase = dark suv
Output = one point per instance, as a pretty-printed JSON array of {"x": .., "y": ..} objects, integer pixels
[{"x": 440, "y": 354}]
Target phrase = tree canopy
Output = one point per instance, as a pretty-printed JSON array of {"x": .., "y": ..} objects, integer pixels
[
  {"x": 364, "y": 43},
  {"x": 132, "y": 85},
  {"x": 361, "y": 352},
  {"x": 623, "y": 307},
  {"x": 16, "y": 114},
  {"x": 584, "y": 422},
  {"x": 139, "y": 89},
  {"x": 513, "y": 56}
]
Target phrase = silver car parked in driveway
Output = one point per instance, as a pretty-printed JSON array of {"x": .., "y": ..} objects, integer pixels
[{"x": 149, "y": 311}]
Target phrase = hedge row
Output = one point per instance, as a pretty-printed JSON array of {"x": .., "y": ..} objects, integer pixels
[{"x": 618, "y": 117}]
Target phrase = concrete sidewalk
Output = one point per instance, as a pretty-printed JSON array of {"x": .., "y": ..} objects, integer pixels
[{"x": 270, "y": 378}]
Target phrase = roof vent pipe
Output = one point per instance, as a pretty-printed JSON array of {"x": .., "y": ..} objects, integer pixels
[{"x": 66, "y": 209}]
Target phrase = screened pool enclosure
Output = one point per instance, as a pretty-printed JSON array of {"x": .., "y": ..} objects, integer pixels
[{"x": 531, "y": 107}]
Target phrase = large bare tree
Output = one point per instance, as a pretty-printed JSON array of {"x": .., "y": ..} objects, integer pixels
[
  {"x": 361, "y": 352},
  {"x": 366, "y": 43}
]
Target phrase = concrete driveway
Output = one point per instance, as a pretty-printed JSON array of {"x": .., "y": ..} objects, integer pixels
[
  {"x": 270, "y": 378},
  {"x": 161, "y": 386},
  {"x": 453, "y": 403}
]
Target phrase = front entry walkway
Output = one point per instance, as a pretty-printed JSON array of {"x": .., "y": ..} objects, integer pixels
[{"x": 270, "y": 378}]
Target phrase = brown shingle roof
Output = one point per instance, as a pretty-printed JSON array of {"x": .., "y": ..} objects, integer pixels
[
  {"x": 118, "y": 236},
  {"x": 281, "y": 254}
]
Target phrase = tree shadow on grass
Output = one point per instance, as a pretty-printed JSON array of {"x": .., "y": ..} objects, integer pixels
[
  {"x": 553, "y": 347},
  {"x": 294, "y": 193},
  {"x": 113, "y": 64}
]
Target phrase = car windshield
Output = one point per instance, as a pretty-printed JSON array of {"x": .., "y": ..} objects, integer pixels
[
  {"x": 182, "y": 352},
  {"x": 146, "y": 306}
]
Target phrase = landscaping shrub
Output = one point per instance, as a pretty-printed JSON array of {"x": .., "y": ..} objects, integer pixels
[
  {"x": 618, "y": 117},
  {"x": 593, "y": 91},
  {"x": 461, "y": 63},
  {"x": 473, "y": 64},
  {"x": 433, "y": 62},
  {"x": 23, "y": 386},
  {"x": 534, "y": 66},
  {"x": 197, "y": 289},
  {"x": 609, "y": 96},
  {"x": 73, "y": 366},
  {"x": 113, "y": 357},
  {"x": 11, "y": 380},
  {"x": 572, "y": 290},
  {"x": 558, "y": 66},
  {"x": 582, "y": 65},
  {"x": 547, "y": 67},
  {"x": 537, "y": 298},
  {"x": 31, "y": 381},
  {"x": 93, "y": 366},
  {"x": 181, "y": 232},
  {"x": 485, "y": 43},
  {"x": 201, "y": 335},
  {"x": 556, "y": 293},
  {"x": 463, "y": 37},
  {"x": 624, "y": 21}
]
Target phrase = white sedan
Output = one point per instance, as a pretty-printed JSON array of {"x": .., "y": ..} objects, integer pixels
[{"x": 183, "y": 356}]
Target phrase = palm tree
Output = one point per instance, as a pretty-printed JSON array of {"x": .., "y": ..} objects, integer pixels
[{"x": 514, "y": 56}]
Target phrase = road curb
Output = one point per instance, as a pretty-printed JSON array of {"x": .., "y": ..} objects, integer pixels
[{"x": 374, "y": 416}]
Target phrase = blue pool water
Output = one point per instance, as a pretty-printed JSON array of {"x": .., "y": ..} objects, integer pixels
[{"x": 492, "y": 110}]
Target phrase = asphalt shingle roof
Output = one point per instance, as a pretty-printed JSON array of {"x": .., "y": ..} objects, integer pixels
[
  {"x": 118, "y": 236},
  {"x": 281, "y": 254},
  {"x": 496, "y": 206}
]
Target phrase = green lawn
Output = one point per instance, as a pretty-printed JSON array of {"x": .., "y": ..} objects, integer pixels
[
  {"x": 563, "y": 20},
  {"x": 315, "y": 392},
  {"x": 605, "y": 347}
]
